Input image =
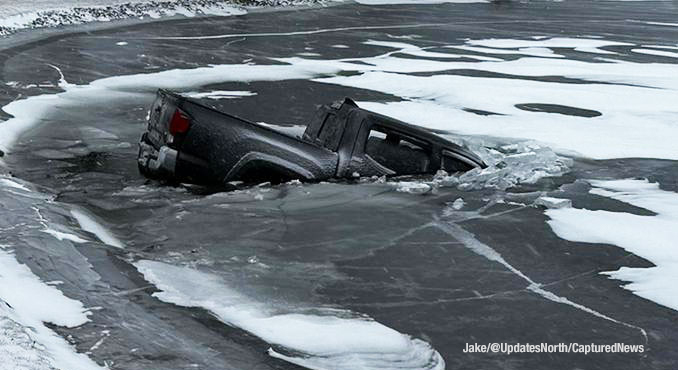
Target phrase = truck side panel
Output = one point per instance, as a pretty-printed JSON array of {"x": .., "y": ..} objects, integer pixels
[{"x": 236, "y": 149}]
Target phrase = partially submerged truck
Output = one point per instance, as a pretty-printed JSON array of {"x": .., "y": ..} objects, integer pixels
[{"x": 188, "y": 142}]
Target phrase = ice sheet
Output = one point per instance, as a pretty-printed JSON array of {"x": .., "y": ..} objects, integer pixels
[
  {"x": 650, "y": 237},
  {"x": 531, "y": 51},
  {"x": 316, "y": 338},
  {"x": 482, "y": 249}
]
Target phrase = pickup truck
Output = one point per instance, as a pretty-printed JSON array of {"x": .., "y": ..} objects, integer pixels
[{"x": 188, "y": 142}]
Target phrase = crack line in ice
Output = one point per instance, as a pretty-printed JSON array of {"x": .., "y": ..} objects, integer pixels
[
  {"x": 60, "y": 235},
  {"x": 293, "y": 33},
  {"x": 488, "y": 252}
]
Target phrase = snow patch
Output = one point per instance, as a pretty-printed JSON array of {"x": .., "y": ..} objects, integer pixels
[
  {"x": 30, "y": 303},
  {"x": 64, "y": 236},
  {"x": 220, "y": 94},
  {"x": 660, "y": 53},
  {"x": 650, "y": 237},
  {"x": 88, "y": 223},
  {"x": 325, "y": 339},
  {"x": 575, "y": 119},
  {"x": 578, "y": 44}
]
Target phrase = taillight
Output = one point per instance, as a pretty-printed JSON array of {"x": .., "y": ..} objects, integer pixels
[{"x": 179, "y": 123}]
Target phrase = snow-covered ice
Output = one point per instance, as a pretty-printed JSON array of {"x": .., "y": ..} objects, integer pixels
[
  {"x": 26, "y": 304},
  {"x": 650, "y": 237},
  {"x": 220, "y": 94},
  {"x": 578, "y": 44},
  {"x": 315, "y": 338},
  {"x": 88, "y": 223},
  {"x": 634, "y": 100},
  {"x": 661, "y": 53}
]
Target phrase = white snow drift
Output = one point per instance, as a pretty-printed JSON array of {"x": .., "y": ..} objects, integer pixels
[{"x": 325, "y": 339}]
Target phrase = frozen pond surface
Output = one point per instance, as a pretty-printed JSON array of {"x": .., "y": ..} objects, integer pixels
[{"x": 571, "y": 103}]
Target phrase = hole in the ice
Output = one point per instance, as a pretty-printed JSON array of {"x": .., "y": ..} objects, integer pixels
[
  {"x": 481, "y": 112},
  {"x": 560, "y": 109}
]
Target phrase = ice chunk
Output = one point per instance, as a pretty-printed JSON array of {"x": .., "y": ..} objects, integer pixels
[
  {"x": 458, "y": 204},
  {"x": 412, "y": 187},
  {"x": 550, "y": 202},
  {"x": 508, "y": 166}
]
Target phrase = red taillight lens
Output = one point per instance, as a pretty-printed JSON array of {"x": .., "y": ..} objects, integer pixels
[{"x": 179, "y": 123}]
